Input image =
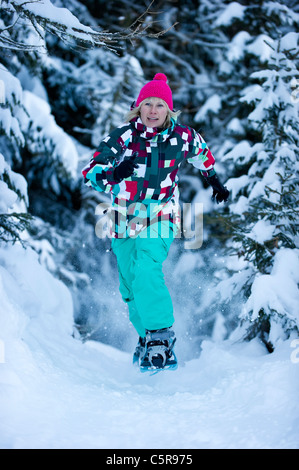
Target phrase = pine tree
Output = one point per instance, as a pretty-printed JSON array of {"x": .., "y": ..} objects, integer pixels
[
  {"x": 265, "y": 230},
  {"x": 14, "y": 218}
]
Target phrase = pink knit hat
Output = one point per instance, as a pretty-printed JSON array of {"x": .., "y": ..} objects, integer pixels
[{"x": 157, "y": 88}]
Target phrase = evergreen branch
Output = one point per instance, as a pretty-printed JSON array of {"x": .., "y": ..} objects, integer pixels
[
  {"x": 11, "y": 225},
  {"x": 249, "y": 241}
]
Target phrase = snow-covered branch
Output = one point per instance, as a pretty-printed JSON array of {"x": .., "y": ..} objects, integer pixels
[{"x": 46, "y": 17}]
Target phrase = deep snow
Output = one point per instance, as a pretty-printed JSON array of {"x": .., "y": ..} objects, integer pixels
[{"x": 57, "y": 392}]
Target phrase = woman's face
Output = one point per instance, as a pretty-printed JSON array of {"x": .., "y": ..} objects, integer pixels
[{"x": 153, "y": 112}]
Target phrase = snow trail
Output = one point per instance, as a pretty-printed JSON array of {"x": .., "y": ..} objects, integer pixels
[{"x": 57, "y": 392}]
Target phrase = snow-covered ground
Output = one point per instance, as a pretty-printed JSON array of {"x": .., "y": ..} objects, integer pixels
[{"x": 56, "y": 392}]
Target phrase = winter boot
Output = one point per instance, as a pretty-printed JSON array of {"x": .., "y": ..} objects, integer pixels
[
  {"x": 139, "y": 351},
  {"x": 159, "y": 352}
]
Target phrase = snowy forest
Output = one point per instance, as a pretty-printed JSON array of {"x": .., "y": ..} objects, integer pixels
[{"x": 69, "y": 71}]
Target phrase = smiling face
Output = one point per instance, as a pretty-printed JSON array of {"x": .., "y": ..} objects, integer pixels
[{"x": 153, "y": 112}]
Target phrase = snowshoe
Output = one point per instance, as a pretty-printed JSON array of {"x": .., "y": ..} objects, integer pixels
[
  {"x": 159, "y": 354},
  {"x": 139, "y": 351}
]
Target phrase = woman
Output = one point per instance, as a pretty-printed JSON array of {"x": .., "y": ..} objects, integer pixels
[{"x": 138, "y": 164}]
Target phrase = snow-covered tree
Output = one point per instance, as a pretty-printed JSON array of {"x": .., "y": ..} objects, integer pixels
[
  {"x": 264, "y": 216},
  {"x": 13, "y": 204},
  {"x": 13, "y": 187}
]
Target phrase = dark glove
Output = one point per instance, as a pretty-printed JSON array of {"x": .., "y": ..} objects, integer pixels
[
  {"x": 125, "y": 168},
  {"x": 220, "y": 192}
]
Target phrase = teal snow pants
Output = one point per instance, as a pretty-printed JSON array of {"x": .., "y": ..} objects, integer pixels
[{"x": 141, "y": 277}]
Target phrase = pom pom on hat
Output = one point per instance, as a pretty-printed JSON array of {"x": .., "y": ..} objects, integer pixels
[
  {"x": 160, "y": 76},
  {"x": 157, "y": 88}
]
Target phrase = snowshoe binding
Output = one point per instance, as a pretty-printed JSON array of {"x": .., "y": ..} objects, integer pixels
[
  {"x": 158, "y": 353},
  {"x": 139, "y": 350}
]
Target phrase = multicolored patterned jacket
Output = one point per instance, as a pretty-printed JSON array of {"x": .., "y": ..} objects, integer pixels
[{"x": 151, "y": 194}]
